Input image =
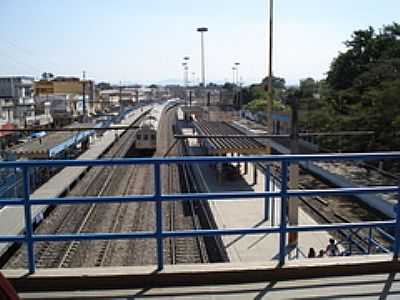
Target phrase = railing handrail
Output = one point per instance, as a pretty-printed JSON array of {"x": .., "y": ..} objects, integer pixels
[
  {"x": 285, "y": 193},
  {"x": 205, "y": 159}
]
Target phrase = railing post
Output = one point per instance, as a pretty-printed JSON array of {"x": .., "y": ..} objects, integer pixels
[
  {"x": 370, "y": 240},
  {"x": 283, "y": 219},
  {"x": 267, "y": 188},
  {"x": 255, "y": 174},
  {"x": 159, "y": 221},
  {"x": 273, "y": 210},
  {"x": 351, "y": 242},
  {"x": 397, "y": 233},
  {"x": 28, "y": 221}
]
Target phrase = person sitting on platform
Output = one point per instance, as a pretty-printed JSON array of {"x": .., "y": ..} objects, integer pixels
[
  {"x": 321, "y": 253},
  {"x": 311, "y": 253},
  {"x": 332, "y": 249}
]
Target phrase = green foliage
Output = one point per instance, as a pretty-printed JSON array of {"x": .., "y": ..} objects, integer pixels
[
  {"x": 361, "y": 91},
  {"x": 259, "y": 105},
  {"x": 259, "y": 91}
]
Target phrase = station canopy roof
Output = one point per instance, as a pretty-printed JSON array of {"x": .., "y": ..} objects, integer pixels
[{"x": 222, "y": 145}]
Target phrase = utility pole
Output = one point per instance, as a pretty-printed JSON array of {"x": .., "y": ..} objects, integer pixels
[
  {"x": 293, "y": 205},
  {"x": 84, "y": 94},
  {"x": 270, "y": 73},
  {"x": 120, "y": 98}
]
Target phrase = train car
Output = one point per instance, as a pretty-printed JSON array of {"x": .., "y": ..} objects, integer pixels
[{"x": 146, "y": 135}]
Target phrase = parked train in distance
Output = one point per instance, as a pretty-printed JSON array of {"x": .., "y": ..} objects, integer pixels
[{"x": 146, "y": 136}]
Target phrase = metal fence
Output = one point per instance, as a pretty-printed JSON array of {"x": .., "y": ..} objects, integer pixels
[{"x": 158, "y": 197}]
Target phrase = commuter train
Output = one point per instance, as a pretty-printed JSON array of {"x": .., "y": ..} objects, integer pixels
[{"x": 146, "y": 135}]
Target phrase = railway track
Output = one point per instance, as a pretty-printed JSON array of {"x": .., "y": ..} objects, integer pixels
[
  {"x": 342, "y": 209},
  {"x": 339, "y": 210},
  {"x": 118, "y": 217},
  {"x": 181, "y": 215},
  {"x": 72, "y": 218}
]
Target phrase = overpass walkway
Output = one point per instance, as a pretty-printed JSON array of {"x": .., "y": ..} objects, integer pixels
[{"x": 267, "y": 275}]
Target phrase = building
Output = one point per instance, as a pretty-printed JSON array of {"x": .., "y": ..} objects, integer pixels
[
  {"x": 70, "y": 89},
  {"x": 16, "y": 87},
  {"x": 64, "y": 86},
  {"x": 16, "y": 99}
]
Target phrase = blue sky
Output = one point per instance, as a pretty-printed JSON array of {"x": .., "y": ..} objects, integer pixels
[{"x": 145, "y": 41}]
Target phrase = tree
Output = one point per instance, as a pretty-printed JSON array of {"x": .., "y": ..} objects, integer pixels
[
  {"x": 371, "y": 58},
  {"x": 212, "y": 85},
  {"x": 363, "y": 87},
  {"x": 104, "y": 86},
  {"x": 277, "y": 83},
  {"x": 308, "y": 87},
  {"x": 47, "y": 76}
]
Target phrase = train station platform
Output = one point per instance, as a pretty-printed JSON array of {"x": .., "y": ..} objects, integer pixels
[
  {"x": 12, "y": 218},
  {"x": 250, "y": 213},
  {"x": 47, "y": 146}
]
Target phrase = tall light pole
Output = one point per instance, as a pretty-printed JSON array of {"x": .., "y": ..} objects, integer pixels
[
  {"x": 193, "y": 78},
  {"x": 237, "y": 64},
  {"x": 186, "y": 61},
  {"x": 270, "y": 74},
  {"x": 233, "y": 75},
  {"x": 185, "y": 68},
  {"x": 184, "y": 65},
  {"x": 202, "y": 30},
  {"x": 238, "y": 86}
]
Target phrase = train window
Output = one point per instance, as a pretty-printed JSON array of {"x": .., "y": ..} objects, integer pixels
[
  {"x": 139, "y": 136},
  {"x": 153, "y": 137},
  {"x": 145, "y": 137}
]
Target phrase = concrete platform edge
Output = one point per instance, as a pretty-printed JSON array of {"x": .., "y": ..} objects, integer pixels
[{"x": 196, "y": 275}]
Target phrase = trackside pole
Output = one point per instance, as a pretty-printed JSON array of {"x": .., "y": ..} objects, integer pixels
[
  {"x": 267, "y": 188},
  {"x": 283, "y": 220},
  {"x": 28, "y": 221},
  {"x": 159, "y": 229},
  {"x": 397, "y": 234}
]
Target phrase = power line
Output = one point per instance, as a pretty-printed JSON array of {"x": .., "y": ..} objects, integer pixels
[{"x": 30, "y": 53}]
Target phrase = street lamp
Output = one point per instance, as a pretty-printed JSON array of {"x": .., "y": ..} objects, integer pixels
[
  {"x": 185, "y": 68},
  {"x": 202, "y": 30},
  {"x": 237, "y": 72},
  {"x": 193, "y": 78},
  {"x": 233, "y": 75},
  {"x": 238, "y": 85},
  {"x": 186, "y": 64},
  {"x": 184, "y": 73}
]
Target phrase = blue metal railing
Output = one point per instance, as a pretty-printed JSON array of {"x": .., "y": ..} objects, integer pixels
[{"x": 159, "y": 197}]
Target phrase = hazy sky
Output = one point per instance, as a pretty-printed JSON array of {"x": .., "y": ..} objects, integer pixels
[{"x": 145, "y": 40}]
